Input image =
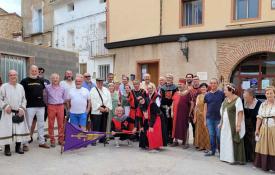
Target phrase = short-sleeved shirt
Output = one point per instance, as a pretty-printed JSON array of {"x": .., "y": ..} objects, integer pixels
[
  {"x": 34, "y": 88},
  {"x": 79, "y": 99},
  {"x": 214, "y": 102}
]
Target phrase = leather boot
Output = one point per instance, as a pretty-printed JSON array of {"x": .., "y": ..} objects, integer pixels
[
  {"x": 18, "y": 148},
  {"x": 7, "y": 150}
]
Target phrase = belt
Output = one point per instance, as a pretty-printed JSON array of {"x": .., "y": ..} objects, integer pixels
[
  {"x": 267, "y": 119},
  {"x": 56, "y": 104}
]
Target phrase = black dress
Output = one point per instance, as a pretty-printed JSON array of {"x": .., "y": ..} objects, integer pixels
[{"x": 250, "y": 127}]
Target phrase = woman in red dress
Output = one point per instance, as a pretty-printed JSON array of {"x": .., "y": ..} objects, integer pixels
[{"x": 182, "y": 107}]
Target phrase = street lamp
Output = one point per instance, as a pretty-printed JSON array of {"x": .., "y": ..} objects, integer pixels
[{"x": 184, "y": 46}]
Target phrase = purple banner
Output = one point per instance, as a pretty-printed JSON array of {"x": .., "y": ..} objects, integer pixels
[{"x": 75, "y": 138}]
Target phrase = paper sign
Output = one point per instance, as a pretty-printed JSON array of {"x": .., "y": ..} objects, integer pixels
[
  {"x": 265, "y": 83},
  {"x": 245, "y": 85},
  {"x": 202, "y": 75}
]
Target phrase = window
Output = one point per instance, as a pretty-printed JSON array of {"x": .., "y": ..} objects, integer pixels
[
  {"x": 272, "y": 4},
  {"x": 8, "y": 62},
  {"x": 70, "y": 7},
  {"x": 102, "y": 1},
  {"x": 83, "y": 68},
  {"x": 70, "y": 39},
  {"x": 37, "y": 23},
  {"x": 192, "y": 12},
  {"x": 103, "y": 71},
  {"x": 246, "y": 9}
]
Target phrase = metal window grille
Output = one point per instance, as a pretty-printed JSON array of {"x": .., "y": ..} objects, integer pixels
[
  {"x": 8, "y": 62},
  {"x": 104, "y": 70}
]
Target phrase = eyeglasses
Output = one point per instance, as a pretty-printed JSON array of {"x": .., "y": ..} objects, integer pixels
[{"x": 87, "y": 76}]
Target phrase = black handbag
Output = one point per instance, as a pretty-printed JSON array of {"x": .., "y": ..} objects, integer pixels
[{"x": 16, "y": 118}]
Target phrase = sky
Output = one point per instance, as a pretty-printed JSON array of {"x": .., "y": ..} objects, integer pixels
[{"x": 11, "y": 6}]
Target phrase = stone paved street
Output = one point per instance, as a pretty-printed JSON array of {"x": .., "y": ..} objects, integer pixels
[{"x": 110, "y": 160}]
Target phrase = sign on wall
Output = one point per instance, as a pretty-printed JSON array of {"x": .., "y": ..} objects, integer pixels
[{"x": 202, "y": 75}]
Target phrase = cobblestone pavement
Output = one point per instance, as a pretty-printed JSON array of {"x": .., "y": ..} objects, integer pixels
[{"x": 125, "y": 160}]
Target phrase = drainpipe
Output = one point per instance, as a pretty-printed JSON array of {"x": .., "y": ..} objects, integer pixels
[{"x": 160, "y": 15}]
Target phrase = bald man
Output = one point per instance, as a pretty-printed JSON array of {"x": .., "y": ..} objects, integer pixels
[{"x": 34, "y": 89}]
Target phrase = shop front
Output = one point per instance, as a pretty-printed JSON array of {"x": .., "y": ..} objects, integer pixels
[{"x": 257, "y": 71}]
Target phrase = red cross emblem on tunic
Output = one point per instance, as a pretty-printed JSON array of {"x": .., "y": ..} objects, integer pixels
[{"x": 168, "y": 94}]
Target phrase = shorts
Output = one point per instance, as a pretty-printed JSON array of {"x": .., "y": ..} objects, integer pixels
[{"x": 78, "y": 119}]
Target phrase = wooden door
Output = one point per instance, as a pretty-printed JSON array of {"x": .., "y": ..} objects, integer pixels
[
  {"x": 153, "y": 71},
  {"x": 151, "y": 67}
]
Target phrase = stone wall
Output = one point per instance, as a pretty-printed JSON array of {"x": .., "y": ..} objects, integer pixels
[
  {"x": 217, "y": 57},
  {"x": 202, "y": 58},
  {"x": 27, "y": 7},
  {"x": 10, "y": 24}
]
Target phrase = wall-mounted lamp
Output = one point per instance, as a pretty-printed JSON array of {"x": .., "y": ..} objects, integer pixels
[{"x": 184, "y": 46}]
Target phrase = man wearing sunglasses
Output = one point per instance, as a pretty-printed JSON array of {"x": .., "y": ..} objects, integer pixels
[{"x": 87, "y": 83}]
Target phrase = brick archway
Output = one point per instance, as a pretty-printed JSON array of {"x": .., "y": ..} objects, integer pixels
[{"x": 232, "y": 51}]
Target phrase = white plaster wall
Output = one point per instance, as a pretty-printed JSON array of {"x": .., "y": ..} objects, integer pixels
[
  {"x": 92, "y": 65},
  {"x": 85, "y": 30},
  {"x": 85, "y": 21},
  {"x": 82, "y": 8}
]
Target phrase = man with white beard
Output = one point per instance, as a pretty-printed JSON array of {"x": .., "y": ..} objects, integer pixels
[{"x": 13, "y": 125}]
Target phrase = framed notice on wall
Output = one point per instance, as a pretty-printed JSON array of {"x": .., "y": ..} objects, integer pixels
[
  {"x": 202, "y": 75},
  {"x": 272, "y": 4}
]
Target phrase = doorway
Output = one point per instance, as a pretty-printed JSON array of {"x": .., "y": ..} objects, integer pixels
[
  {"x": 257, "y": 71},
  {"x": 150, "y": 67}
]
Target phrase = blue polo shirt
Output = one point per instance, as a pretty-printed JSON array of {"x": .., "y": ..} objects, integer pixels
[{"x": 214, "y": 102}]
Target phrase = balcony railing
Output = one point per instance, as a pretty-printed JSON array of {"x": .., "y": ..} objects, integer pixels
[{"x": 97, "y": 48}]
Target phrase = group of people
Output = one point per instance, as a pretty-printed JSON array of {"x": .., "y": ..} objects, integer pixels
[{"x": 240, "y": 130}]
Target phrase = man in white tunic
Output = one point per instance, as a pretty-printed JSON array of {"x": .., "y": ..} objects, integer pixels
[{"x": 12, "y": 100}]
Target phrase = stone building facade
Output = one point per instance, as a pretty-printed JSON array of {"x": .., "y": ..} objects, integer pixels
[
  {"x": 228, "y": 43},
  {"x": 10, "y": 25},
  {"x": 37, "y": 18}
]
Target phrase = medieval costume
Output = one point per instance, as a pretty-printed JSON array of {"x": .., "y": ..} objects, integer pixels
[
  {"x": 120, "y": 125},
  {"x": 152, "y": 139},
  {"x": 194, "y": 92},
  {"x": 135, "y": 111},
  {"x": 265, "y": 149},
  {"x": 167, "y": 93},
  {"x": 250, "y": 113},
  {"x": 232, "y": 142},
  {"x": 13, "y": 96},
  {"x": 202, "y": 140},
  {"x": 115, "y": 101},
  {"x": 181, "y": 109},
  {"x": 124, "y": 99}
]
